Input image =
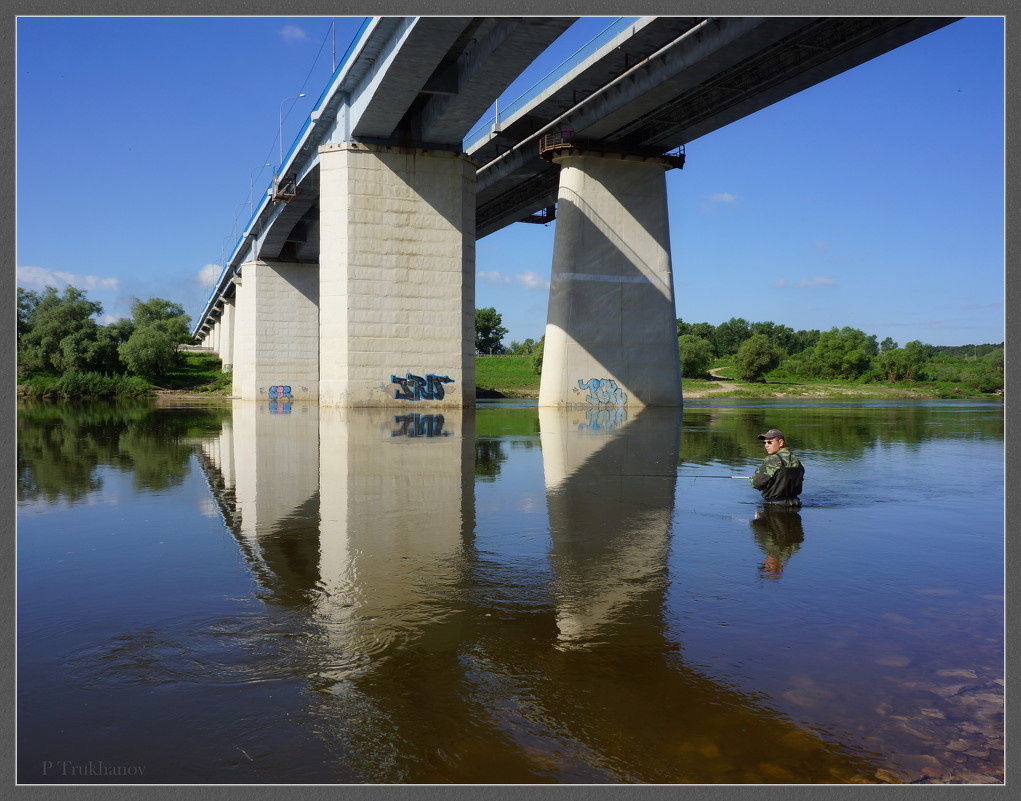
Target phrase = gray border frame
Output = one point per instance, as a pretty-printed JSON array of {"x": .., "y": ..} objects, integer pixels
[{"x": 525, "y": 7}]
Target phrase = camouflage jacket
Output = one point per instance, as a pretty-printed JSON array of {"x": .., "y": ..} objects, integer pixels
[{"x": 779, "y": 477}]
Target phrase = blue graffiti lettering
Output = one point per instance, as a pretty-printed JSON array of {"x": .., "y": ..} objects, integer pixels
[
  {"x": 604, "y": 419},
  {"x": 603, "y": 392},
  {"x": 415, "y": 387},
  {"x": 419, "y": 425}
]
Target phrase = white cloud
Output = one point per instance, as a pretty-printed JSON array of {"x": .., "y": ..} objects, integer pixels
[
  {"x": 817, "y": 281},
  {"x": 206, "y": 277},
  {"x": 40, "y": 278},
  {"x": 492, "y": 277},
  {"x": 532, "y": 280},
  {"x": 804, "y": 283},
  {"x": 292, "y": 33},
  {"x": 717, "y": 199}
]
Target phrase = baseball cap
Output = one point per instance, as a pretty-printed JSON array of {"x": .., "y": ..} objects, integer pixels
[{"x": 773, "y": 433}]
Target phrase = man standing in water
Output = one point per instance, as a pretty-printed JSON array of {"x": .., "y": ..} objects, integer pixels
[{"x": 779, "y": 476}]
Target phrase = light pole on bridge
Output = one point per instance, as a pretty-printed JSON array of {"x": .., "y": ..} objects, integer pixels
[
  {"x": 251, "y": 188},
  {"x": 280, "y": 128}
]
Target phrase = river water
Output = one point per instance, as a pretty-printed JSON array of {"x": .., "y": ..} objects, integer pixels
[{"x": 261, "y": 593}]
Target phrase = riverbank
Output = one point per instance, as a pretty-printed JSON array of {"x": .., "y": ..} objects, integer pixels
[
  {"x": 724, "y": 388},
  {"x": 695, "y": 389},
  {"x": 513, "y": 377}
]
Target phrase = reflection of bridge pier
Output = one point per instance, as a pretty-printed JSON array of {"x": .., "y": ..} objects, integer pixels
[
  {"x": 397, "y": 507},
  {"x": 428, "y": 660},
  {"x": 610, "y": 493}
]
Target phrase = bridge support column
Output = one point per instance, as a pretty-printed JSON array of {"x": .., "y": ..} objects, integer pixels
[
  {"x": 397, "y": 277},
  {"x": 276, "y": 332},
  {"x": 227, "y": 334},
  {"x": 611, "y": 331},
  {"x": 214, "y": 337}
]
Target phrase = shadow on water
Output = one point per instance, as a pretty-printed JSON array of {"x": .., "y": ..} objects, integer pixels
[{"x": 424, "y": 638}]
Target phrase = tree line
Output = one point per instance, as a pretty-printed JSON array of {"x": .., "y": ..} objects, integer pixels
[
  {"x": 764, "y": 349},
  {"x": 60, "y": 338},
  {"x": 759, "y": 350}
]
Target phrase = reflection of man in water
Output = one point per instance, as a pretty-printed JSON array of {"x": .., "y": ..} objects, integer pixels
[
  {"x": 778, "y": 533},
  {"x": 781, "y": 473}
]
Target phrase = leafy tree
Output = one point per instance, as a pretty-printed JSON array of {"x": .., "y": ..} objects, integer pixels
[
  {"x": 756, "y": 357},
  {"x": 696, "y": 356},
  {"x": 537, "y": 356},
  {"x": 843, "y": 353},
  {"x": 781, "y": 336},
  {"x": 803, "y": 340},
  {"x": 904, "y": 364},
  {"x": 489, "y": 331},
  {"x": 731, "y": 334},
  {"x": 705, "y": 331},
  {"x": 150, "y": 351},
  {"x": 159, "y": 327},
  {"x": 57, "y": 332},
  {"x": 995, "y": 359},
  {"x": 522, "y": 348},
  {"x": 887, "y": 345},
  {"x": 164, "y": 314},
  {"x": 27, "y": 303}
]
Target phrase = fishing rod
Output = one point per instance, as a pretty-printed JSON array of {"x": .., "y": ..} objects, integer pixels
[{"x": 705, "y": 476}]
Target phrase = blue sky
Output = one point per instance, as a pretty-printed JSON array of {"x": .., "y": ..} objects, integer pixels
[{"x": 874, "y": 200}]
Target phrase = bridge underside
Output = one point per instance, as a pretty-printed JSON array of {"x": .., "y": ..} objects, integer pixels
[
  {"x": 358, "y": 286},
  {"x": 707, "y": 74}
]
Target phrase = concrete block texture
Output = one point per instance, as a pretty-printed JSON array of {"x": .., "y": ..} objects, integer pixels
[
  {"x": 276, "y": 332},
  {"x": 227, "y": 332},
  {"x": 397, "y": 271},
  {"x": 611, "y": 330}
]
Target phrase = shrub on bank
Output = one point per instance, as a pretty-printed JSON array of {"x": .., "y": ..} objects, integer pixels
[{"x": 81, "y": 384}]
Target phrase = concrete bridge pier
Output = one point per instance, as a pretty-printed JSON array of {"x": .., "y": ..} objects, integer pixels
[
  {"x": 214, "y": 337},
  {"x": 611, "y": 331},
  {"x": 226, "y": 336},
  {"x": 275, "y": 340},
  {"x": 397, "y": 276}
]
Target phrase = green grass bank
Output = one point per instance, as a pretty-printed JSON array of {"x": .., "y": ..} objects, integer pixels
[{"x": 495, "y": 376}]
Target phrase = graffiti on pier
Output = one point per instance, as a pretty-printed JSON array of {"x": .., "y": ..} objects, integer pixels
[
  {"x": 603, "y": 419},
  {"x": 603, "y": 392},
  {"x": 417, "y": 388},
  {"x": 280, "y": 398},
  {"x": 418, "y": 425}
]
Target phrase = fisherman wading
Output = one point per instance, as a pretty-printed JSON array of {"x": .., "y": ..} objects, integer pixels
[{"x": 781, "y": 473}]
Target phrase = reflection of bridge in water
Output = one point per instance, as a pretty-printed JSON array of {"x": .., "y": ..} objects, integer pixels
[{"x": 433, "y": 659}]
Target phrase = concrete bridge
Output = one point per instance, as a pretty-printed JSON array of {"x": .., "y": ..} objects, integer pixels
[{"x": 353, "y": 284}]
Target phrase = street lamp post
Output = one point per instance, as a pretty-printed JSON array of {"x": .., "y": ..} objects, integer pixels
[
  {"x": 251, "y": 188},
  {"x": 280, "y": 129}
]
